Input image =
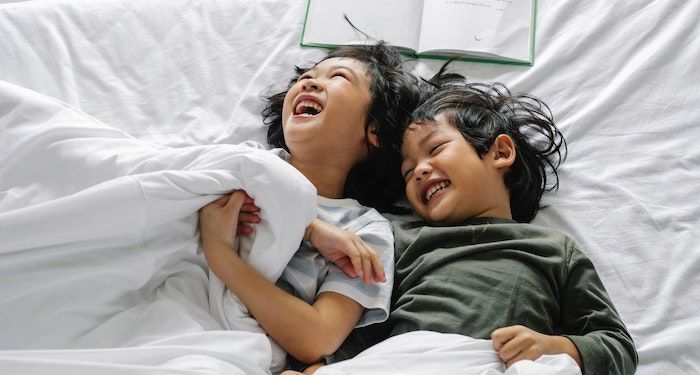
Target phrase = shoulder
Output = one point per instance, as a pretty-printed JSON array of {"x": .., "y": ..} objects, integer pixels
[{"x": 349, "y": 214}]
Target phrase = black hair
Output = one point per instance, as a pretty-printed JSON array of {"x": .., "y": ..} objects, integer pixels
[
  {"x": 481, "y": 112},
  {"x": 394, "y": 92}
]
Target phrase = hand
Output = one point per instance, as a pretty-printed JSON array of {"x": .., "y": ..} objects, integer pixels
[
  {"x": 346, "y": 250},
  {"x": 516, "y": 343},
  {"x": 309, "y": 370},
  {"x": 219, "y": 220}
]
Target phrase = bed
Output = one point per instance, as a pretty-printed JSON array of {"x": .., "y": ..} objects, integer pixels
[{"x": 621, "y": 80}]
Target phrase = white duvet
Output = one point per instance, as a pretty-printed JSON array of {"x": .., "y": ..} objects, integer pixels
[{"x": 100, "y": 247}]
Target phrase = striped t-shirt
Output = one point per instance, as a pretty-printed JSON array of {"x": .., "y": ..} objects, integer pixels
[{"x": 309, "y": 273}]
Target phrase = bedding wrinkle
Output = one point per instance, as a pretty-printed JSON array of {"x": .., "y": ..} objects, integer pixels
[
  {"x": 644, "y": 49},
  {"x": 621, "y": 79}
]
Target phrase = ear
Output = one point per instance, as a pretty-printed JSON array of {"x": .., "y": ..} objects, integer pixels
[
  {"x": 372, "y": 137},
  {"x": 503, "y": 151}
]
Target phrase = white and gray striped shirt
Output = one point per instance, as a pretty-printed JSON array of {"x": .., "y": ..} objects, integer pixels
[{"x": 308, "y": 273}]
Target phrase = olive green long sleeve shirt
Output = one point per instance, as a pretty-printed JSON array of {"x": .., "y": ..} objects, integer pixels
[{"x": 491, "y": 273}]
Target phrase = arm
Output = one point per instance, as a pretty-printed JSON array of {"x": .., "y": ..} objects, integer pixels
[
  {"x": 306, "y": 331},
  {"x": 594, "y": 335},
  {"x": 590, "y": 321}
]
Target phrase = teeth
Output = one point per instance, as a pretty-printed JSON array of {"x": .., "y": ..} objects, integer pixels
[
  {"x": 435, "y": 188},
  {"x": 307, "y": 104}
]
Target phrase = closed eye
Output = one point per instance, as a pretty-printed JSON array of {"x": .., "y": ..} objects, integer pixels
[
  {"x": 436, "y": 148},
  {"x": 407, "y": 174},
  {"x": 339, "y": 74},
  {"x": 303, "y": 77}
]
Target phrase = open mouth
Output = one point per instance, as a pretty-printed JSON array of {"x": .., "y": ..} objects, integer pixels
[
  {"x": 307, "y": 107},
  {"x": 434, "y": 189}
]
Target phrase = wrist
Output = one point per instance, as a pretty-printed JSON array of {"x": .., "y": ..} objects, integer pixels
[{"x": 564, "y": 345}]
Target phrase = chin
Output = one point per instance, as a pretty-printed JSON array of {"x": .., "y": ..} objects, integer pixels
[{"x": 434, "y": 219}]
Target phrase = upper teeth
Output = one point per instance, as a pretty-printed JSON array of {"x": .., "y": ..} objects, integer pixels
[
  {"x": 307, "y": 104},
  {"x": 435, "y": 188}
]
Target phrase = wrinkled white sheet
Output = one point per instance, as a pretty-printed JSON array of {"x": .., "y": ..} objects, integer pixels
[
  {"x": 620, "y": 77},
  {"x": 425, "y": 352},
  {"x": 100, "y": 247}
]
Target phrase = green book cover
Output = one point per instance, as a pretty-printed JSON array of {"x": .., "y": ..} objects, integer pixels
[{"x": 493, "y": 31}]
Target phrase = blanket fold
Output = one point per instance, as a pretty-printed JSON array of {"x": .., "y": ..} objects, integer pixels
[{"x": 98, "y": 231}]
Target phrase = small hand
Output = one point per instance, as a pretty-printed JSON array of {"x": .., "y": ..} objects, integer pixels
[
  {"x": 516, "y": 343},
  {"x": 219, "y": 220},
  {"x": 346, "y": 250},
  {"x": 218, "y": 223}
]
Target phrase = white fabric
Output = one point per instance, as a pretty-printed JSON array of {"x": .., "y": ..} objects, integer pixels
[
  {"x": 425, "y": 352},
  {"x": 621, "y": 79},
  {"x": 99, "y": 234}
]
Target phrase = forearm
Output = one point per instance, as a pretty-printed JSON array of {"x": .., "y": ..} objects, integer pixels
[{"x": 305, "y": 331}]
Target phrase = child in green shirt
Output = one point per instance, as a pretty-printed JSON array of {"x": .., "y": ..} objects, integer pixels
[{"x": 476, "y": 160}]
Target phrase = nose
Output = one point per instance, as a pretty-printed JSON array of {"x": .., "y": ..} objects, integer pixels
[
  {"x": 422, "y": 171},
  {"x": 310, "y": 84}
]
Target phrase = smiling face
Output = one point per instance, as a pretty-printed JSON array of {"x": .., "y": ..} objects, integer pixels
[
  {"x": 325, "y": 111},
  {"x": 446, "y": 180}
]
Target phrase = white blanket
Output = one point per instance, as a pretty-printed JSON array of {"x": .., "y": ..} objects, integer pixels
[
  {"x": 425, "y": 352},
  {"x": 100, "y": 246}
]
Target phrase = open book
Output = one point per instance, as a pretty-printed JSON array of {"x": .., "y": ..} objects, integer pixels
[{"x": 484, "y": 30}]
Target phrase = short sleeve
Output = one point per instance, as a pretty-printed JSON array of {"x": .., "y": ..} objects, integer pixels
[{"x": 376, "y": 297}]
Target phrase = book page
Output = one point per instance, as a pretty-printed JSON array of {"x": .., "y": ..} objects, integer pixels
[
  {"x": 500, "y": 28},
  {"x": 395, "y": 21}
]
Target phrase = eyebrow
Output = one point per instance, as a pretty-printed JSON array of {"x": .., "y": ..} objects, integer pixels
[
  {"x": 427, "y": 138},
  {"x": 422, "y": 141}
]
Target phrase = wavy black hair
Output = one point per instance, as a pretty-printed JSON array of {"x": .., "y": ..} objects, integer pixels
[
  {"x": 483, "y": 111},
  {"x": 394, "y": 91}
]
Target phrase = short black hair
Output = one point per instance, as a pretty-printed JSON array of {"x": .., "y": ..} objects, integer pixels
[
  {"x": 373, "y": 181},
  {"x": 483, "y": 111}
]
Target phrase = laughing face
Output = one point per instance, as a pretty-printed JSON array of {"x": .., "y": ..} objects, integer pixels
[
  {"x": 446, "y": 180},
  {"x": 326, "y": 110}
]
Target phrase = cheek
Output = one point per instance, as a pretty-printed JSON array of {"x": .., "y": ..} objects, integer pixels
[
  {"x": 292, "y": 93},
  {"x": 411, "y": 195},
  {"x": 287, "y": 107}
]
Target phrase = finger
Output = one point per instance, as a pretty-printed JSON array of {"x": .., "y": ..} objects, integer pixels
[
  {"x": 249, "y": 207},
  {"x": 220, "y": 202},
  {"x": 244, "y": 230},
  {"x": 356, "y": 261},
  {"x": 511, "y": 349},
  {"x": 236, "y": 200},
  {"x": 523, "y": 355},
  {"x": 346, "y": 266},
  {"x": 377, "y": 267},
  {"x": 366, "y": 265},
  {"x": 245, "y": 217},
  {"x": 501, "y": 336},
  {"x": 248, "y": 199}
]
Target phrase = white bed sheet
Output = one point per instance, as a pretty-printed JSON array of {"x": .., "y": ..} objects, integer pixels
[{"x": 621, "y": 79}]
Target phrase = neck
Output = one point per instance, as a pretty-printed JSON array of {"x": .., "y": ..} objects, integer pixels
[{"x": 329, "y": 179}]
